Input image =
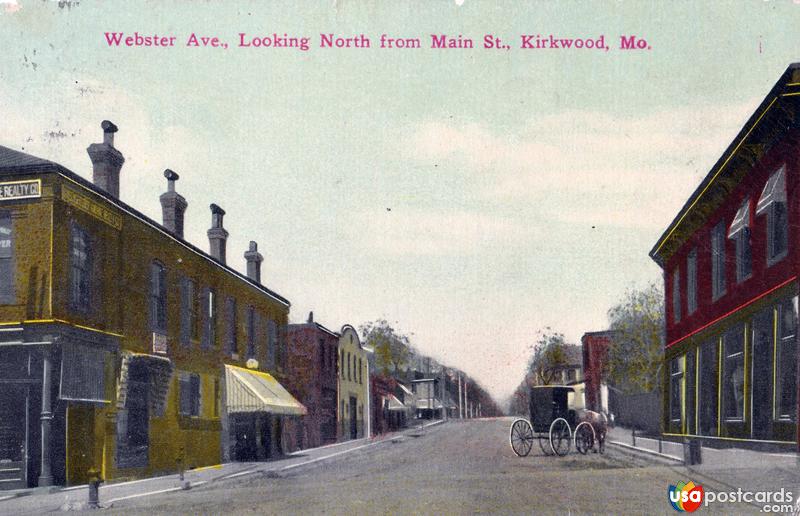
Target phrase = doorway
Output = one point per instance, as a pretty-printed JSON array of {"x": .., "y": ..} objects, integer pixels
[
  {"x": 13, "y": 436},
  {"x": 353, "y": 419}
]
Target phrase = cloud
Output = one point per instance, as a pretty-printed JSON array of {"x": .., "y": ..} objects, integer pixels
[
  {"x": 420, "y": 232},
  {"x": 632, "y": 171}
]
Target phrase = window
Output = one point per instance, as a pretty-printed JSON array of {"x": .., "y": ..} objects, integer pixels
[
  {"x": 208, "y": 306},
  {"x": 188, "y": 311},
  {"x": 739, "y": 232},
  {"x": 718, "y": 261},
  {"x": 7, "y": 276},
  {"x": 676, "y": 389},
  {"x": 348, "y": 366},
  {"x": 189, "y": 394},
  {"x": 272, "y": 342},
  {"x": 360, "y": 371},
  {"x": 80, "y": 257},
  {"x": 707, "y": 391},
  {"x": 215, "y": 401},
  {"x": 733, "y": 374},
  {"x": 676, "y": 295},
  {"x": 786, "y": 388},
  {"x": 251, "y": 332},
  {"x": 691, "y": 282},
  {"x": 230, "y": 316},
  {"x": 158, "y": 297},
  {"x": 773, "y": 203}
]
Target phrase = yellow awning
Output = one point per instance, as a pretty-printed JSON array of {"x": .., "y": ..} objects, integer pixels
[{"x": 247, "y": 390}]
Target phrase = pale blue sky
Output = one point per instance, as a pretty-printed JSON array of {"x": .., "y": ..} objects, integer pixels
[{"x": 526, "y": 186}]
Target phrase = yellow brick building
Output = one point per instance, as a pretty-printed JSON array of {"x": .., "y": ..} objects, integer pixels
[
  {"x": 353, "y": 413},
  {"x": 124, "y": 348}
]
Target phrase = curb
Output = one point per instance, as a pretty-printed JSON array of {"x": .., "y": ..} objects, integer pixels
[{"x": 645, "y": 451}]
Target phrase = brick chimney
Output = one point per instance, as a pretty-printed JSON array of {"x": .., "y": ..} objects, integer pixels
[
  {"x": 217, "y": 236},
  {"x": 106, "y": 160},
  {"x": 254, "y": 260},
  {"x": 310, "y": 317},
  {"x": 173, "y": 205}
]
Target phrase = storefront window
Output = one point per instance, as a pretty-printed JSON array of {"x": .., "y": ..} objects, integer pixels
[
  {"x": 786, "y": 392},
  {"x": 707, "y": 393},
  {"x": 733, "y": 373}
]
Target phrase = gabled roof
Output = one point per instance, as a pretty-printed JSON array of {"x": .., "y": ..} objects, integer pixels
[
  {"x": 16, "y": 163},
  {"x": 765, "y": 126}
]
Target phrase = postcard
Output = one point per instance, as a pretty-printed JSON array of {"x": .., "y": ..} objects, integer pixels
[{"x": 410, "y": 257}]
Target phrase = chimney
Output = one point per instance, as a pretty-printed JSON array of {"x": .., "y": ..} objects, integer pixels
[
  {"x": 173, "y": 205},
  {"x": 310, "y": 317},
  {"x": 106, "y": 160},
  {"x": 254, "y": 259},
  {"x": 217, "y": 236}
]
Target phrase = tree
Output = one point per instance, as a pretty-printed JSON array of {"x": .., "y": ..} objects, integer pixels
[
  {"x": 549, "y": 357},
  {"x": 393, "y": 350},
  {"x": 635, "y": 356}
]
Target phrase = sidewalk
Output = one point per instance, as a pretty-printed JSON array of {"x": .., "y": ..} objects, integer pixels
[
  {"x": 39, "y": 500},
  {"x": 712, "y": 457}
]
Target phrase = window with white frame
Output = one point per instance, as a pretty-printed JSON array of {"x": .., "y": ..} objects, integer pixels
[
  {"x": 718, "y": 261},
  {"x": 691, "y": 282},
  {"x": 786, "y": 388},
  {"x": 739, "y": 232},
  {"x": 773, "y": 203},
  {"x": 676, "y": 295},
  {"x": 733, "y": 373}
]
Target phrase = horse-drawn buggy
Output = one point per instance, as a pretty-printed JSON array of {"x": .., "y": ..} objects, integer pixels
[{"x": 556, "y": 422}]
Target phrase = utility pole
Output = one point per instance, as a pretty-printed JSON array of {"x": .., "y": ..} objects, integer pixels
[
  {"x": 460, "y": 410},
  {"x": 443, "y": 376},
  {"x": 466, "y": 404}
]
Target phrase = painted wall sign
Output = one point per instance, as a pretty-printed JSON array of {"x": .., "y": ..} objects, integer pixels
[
  {"x": 13, "y": 190},
  {"x": 89, "y": 206},
  {"x": 159, "y": 343}
]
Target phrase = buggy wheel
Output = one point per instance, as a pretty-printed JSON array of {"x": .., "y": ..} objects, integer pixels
[
  {"x": 560, "y": 437},
  {"x": 521, "y": 437},
  {"x": 544, "y": 444},
  {"x": 584, "y": 437}
]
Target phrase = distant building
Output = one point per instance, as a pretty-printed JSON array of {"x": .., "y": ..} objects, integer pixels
[
  {"x": 124, "y": 348},
  {"x": 429, "y": 398},
  {"x": 353, "y": 412},
  {"x": 730, "y": 259},
  {"x": 595, "y": 352},
  {"x": 312, "y": 376}
]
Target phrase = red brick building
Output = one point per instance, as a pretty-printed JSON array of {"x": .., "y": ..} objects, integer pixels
[
  {"x": 595, "y": 350},
  {"x": 312, "y": 378},
  {"x": 731, "y": 263}
]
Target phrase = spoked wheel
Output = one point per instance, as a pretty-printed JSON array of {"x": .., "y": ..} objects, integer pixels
[
  {"x": 560, "y": 437},
  {"x": 521, "y": 437},
  {"x": 584, "y": 437},
  {"x": 544, "y": 444}
]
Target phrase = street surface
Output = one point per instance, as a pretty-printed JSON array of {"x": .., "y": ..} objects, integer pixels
[{"x": 460, "y": 467}]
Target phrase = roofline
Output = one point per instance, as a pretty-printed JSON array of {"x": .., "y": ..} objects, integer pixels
[
  {"x": 56, "y": 168},
  {"x": 724, "y": 159},
  {"x": 601, "y": 333}
]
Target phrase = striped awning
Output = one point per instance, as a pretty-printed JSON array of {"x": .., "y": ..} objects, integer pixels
[{"x": 247, "y": 391}]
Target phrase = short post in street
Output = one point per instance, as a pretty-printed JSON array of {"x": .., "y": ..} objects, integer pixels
[
  {"x": 633, "y": 436},
  {"x": 185, "y": 484},
  {"x": 692, "y": 452},
  {"x": 94, "y": 488}
]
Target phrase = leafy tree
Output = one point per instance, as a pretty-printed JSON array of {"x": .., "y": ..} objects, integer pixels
[
  {"x": 393, "y": 351},
  {"x": 549, "y": 357},
  {"x": 635, "y": 355}
]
